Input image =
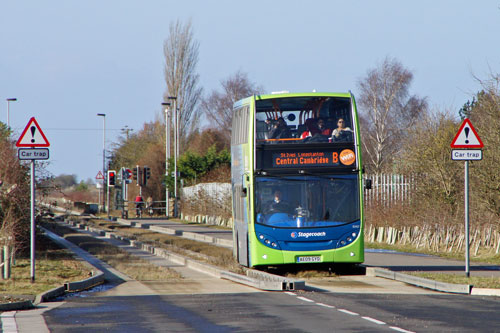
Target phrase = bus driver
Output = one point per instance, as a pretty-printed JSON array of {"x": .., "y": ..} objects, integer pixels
[{"x": 278, "y": 205}]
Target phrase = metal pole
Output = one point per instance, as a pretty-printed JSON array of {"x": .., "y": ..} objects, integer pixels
[
  {"x": 107, "y": 195},
  {"x": 32, "y": 209},
  {"x": 104, "y": 159},
  {"x": 167, "y": 157},
  {"x": 104, "y": 183},
  {"x": 177, "y": 125},
  {"x": 176, "y": 130},
  {"x": 8, "y": 109},
  {"x": 467, "y": 270}
]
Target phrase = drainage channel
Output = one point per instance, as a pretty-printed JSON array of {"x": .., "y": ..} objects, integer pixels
[{"x": 253, "y": 278}]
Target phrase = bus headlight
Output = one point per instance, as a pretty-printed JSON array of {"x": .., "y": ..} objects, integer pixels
[
  {"x": 268, "y": 241},
  {"x": 347, "y": 239}
]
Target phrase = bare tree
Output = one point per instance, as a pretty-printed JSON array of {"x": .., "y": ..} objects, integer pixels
[
  {"x": 181, "y": 58},
  {"x": 388, "y": 110},
  {"x": 219, "y": 105},
  {"x": 14, "y": 195},
  {"x": 485, "y": 115}
]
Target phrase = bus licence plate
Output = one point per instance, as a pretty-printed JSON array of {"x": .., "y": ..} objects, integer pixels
[{"x": 309, "y": 259}]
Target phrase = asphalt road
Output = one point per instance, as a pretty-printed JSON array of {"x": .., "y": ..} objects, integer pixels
[{"x": 277, "y": 312}]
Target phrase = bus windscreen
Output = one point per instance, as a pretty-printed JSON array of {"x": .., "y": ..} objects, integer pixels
[{"x": 307, "y": 201}]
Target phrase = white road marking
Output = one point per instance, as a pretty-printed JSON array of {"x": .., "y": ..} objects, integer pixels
[
  {"x": 349, "y": 312},
  {"x": 326, "y": 305},
  {"x": 400, "y": 329},
  {"x": 373, "y": 320}
]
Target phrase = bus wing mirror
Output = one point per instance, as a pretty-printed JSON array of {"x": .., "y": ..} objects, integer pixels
[
  {"x": 244, "y": 177},
  {"x": 368, "y": 184}
]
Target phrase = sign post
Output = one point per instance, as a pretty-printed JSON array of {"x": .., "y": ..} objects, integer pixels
[
  {"x": 466, "y": 137},
  {"x": 32, "y": 137},
  {"x": 99, "y": 181}
]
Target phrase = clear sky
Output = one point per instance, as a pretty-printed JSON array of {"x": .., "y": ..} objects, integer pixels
[{"x": 67, "y": 60}]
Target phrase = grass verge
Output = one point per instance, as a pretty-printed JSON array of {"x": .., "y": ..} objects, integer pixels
[
  {"x": 54, "y": 266},
  {"x": 476, "y": 281}
]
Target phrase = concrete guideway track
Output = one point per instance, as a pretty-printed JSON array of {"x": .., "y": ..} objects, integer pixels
[
  {"x": 254, "y": 278},
  {"x": 381, "y": 263},
  {"x": 188, "y": 284},
  {"x": 359, "y": 284}
]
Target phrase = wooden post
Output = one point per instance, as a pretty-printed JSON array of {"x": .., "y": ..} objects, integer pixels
[
  {"x": 6, "y": 260},
  {"x": 2, "y": 263}
]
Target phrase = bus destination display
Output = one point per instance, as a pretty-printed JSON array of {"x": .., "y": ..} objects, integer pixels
[{"x": 345, "y": 157}]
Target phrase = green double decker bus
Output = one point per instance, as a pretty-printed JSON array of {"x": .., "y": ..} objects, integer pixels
[{"x": 297, "y": 180}]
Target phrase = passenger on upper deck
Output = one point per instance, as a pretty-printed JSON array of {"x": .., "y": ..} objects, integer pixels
[
  {"x": 269, "y": 124},
  {"x": 323, "y": 130},
  {"x": 341, "y": 133},
  {"x": 316, "y": 130},
  {"x": 311, "y": 128},
  {"x": 280, "y": 130}
]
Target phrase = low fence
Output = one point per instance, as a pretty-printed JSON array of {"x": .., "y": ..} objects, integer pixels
[
  {"x": 208, "y": 219},
  {"x": 437, "y": 238},
  {"x": 388, "y": 189}
]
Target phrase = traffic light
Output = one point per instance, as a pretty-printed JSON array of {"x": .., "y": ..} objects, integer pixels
[
  {"x": 128, "y": 176},
  {"x": 135, "y": 172},
  {"x": 146, "y": 174},
  {"x": 111, "y": 178}
]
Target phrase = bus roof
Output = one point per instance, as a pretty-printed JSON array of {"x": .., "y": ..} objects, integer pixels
[{"x": 284, "y": 95}]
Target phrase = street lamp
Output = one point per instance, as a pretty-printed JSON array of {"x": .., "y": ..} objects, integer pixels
[
  {"x": 103, "y": 115},
  {"x": 176, "y": 152},
  {"x": 8, "y": 109},
  {"x": 167, "y": 153}
]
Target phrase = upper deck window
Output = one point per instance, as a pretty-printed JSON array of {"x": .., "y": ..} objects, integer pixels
[{"x": 303, "y": 120}]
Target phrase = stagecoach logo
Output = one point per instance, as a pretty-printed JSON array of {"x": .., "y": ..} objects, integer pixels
[{"x": 307, "y": 234}]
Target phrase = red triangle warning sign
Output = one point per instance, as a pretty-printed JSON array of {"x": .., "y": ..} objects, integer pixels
[
  {"x": 467, "y": 137},
  {"x": 32, "y": 136}
]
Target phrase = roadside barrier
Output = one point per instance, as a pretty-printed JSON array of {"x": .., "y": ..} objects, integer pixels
[{"x": 438, "y": 238}]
